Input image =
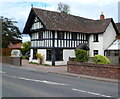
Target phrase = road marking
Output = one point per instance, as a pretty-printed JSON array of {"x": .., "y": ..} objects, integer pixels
[
  {"x": 90, "y": 92},
  {"x": 36, "y": 80},
  {"x": 2, "y": 72},
  {"x": 53, "y": 83}
]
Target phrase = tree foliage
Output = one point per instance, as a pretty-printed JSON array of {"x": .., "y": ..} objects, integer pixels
[
  {"x": 10, "y": 32},
  {"x": 26, "y": 46},
  {"x": 81, "y": 55},
  {"x": 63, "y": 8}
]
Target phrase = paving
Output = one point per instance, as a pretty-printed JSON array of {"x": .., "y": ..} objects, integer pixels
[{"x": 62, "y": 70}]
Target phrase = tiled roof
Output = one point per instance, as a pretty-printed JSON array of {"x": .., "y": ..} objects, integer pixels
[
  {"x": 15, "y": 45},
  {"x": 115, "y": 45},
  {"x": 66, "y": 22}
]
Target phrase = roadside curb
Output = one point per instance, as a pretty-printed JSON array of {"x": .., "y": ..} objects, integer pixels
[{"x": 88, "y": 77}]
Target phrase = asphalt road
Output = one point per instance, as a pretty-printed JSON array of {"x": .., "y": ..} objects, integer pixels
[{"x": 21, "y": 82}]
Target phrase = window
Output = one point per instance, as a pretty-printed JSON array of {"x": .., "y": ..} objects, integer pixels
[
  {"x": 40, "y": 35},
  {"x": 116, "y": 53},
  {"x": 60, "y": 35},
  {"x": 49, "y": 53},
  {"x": 108, "y": 53},
  {"x": 59, "y": 55},
  {"x": 74, "y": 36},
  {"x": 34, "y": 53},
  {"x": 95, "y": 52},
  {"x": 95, "y": 37}
]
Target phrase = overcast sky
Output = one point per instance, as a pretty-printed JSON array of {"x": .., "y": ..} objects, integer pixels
[{"x": 19, "y": 10}]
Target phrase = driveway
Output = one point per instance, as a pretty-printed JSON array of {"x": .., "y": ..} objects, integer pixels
[{"x": 57, "y": 69}]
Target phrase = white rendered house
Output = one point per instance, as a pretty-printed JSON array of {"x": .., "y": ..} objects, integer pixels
[{"x": 56, "y": 35}]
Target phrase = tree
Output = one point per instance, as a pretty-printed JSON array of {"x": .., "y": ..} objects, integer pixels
[
  {"x": 10, "y": 32},
  {"x": 26, "y": 46},
  {"x": 63, "y": 8}
]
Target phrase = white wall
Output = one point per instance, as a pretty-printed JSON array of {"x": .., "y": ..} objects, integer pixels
[
  {"x": 105, "y": 40},
  {"x": 109, "y": 36},
  {"x": 96, "y": 45},
  {"x": 66, "y": 54}
]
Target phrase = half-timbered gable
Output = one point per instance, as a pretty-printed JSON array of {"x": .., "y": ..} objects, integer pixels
[{"x": 56, "y": 35}]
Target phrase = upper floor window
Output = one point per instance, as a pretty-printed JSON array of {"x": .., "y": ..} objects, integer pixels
[
  {"x": 74, "y": 36},
  {"x": 60, "y": 35},
  {"x": 95, "y": 38},
  {"x": 40, "y": 35}
]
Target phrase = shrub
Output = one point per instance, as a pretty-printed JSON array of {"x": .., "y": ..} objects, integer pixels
[
  {"x": 81, "y": 55},
  {"x": 23, "y": 57},
  {"x": 100, "y": 59},
  {"x": 40, "y": 57}
]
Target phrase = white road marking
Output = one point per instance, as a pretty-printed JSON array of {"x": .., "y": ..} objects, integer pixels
[
  {"x": 53, "y": 83},
  {"x": 90, "y": 92},
  {"x": 2, "y": 72},
  {"x": 36, "y": 80}
]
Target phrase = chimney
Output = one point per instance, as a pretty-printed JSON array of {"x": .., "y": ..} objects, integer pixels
[{"x": 102, "y": 16}]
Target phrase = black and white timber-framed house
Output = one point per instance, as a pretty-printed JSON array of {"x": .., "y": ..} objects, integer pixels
[{"x": 56, "y": 35}]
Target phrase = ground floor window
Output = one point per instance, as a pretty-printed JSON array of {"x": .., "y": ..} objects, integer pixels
[
  {"x": 95, "y": 52},
  {"x": 58, "y": 54},
  {"x": 34, "y": 53},
  {"x": 49, "y": 54}
]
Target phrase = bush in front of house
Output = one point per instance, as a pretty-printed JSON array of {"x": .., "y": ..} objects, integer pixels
[
  {"x": 100, "y": 59},
  {"x": 81, "y": 55},
  {"x": 23, "y": 57},
  {"x": 40, "y": 57}
]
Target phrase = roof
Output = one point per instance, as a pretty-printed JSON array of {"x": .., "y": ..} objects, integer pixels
[
  {"x": 118, "y": 27},
  {"x": 115, "y": 45},
  {"x": 66, "y": 22},
  {"x": 82, "y": 46},
  {"x": 15, "y": 45}
]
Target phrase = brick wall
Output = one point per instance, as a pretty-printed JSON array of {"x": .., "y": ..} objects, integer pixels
[
  {"x": 91, "y": 69},
  {"x": 11, "y": 60}
]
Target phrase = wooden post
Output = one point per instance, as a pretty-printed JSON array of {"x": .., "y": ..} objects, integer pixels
[
  {"x": 53, "y": 49},
  {"x": 53, "y": 57}
]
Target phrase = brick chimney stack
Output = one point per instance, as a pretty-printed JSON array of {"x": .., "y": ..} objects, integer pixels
[{"x": 102, "y": 16}]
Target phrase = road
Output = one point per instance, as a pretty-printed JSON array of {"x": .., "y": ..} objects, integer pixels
[{"x": 22, "y": 82}]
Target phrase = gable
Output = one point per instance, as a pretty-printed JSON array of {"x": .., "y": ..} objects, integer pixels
[
  {"x": 33, "y": 22},
  {"x": 36, "y": 24}
]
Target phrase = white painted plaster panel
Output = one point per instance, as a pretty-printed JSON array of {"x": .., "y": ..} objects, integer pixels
[{"x": 109, "y": 36}]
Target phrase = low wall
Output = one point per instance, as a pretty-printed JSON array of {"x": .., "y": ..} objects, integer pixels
[
  {"x": 11, "y": 60},
  {"x": 91, "y": 69}
]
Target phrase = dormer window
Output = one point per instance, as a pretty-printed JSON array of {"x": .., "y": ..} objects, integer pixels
[{"x": 95, "y": 38}]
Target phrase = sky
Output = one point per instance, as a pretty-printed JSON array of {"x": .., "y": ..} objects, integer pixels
[{"x": 18, "y": 10}]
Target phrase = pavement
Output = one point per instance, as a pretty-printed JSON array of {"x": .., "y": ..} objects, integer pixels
[{"x": 62, "y": 70}]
